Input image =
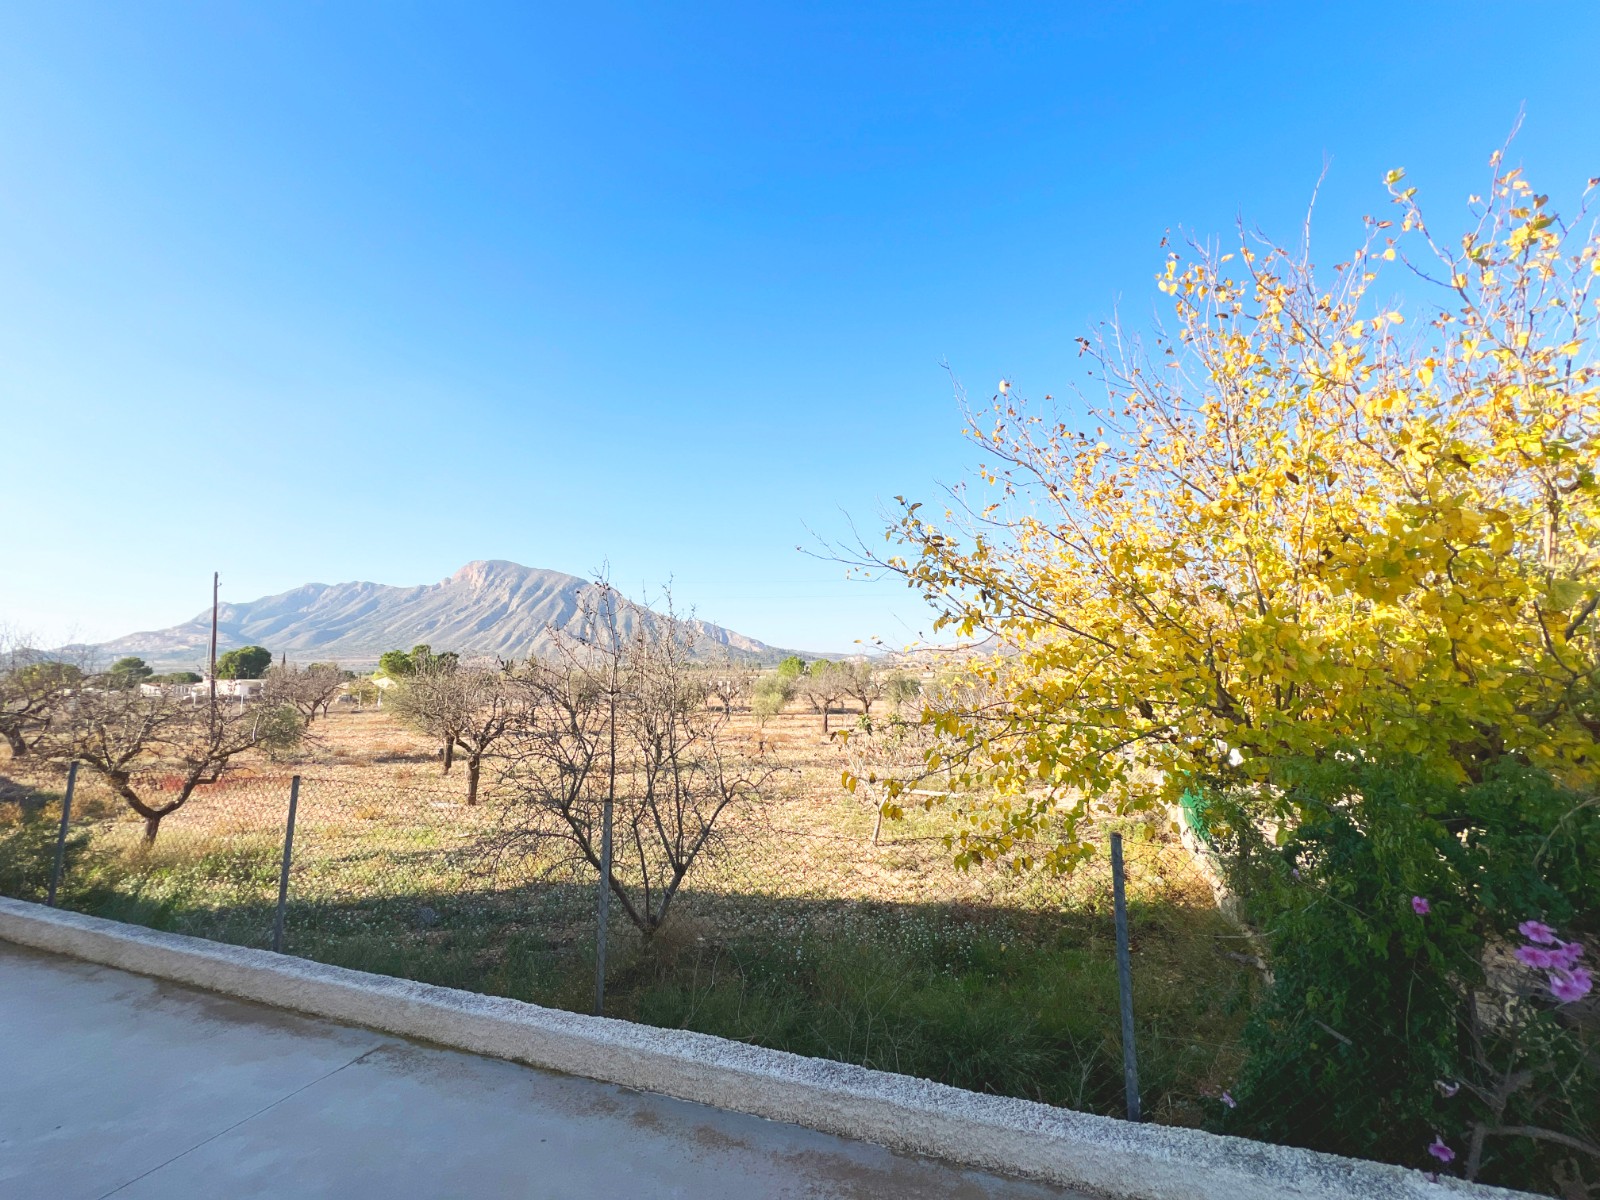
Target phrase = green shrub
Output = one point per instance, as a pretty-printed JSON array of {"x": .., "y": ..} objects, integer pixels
[
  {"x": 1397, "y": 1013},
  {"x": 280, "y": 729}
]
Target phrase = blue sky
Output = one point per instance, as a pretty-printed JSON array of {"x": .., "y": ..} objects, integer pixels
[{"x": 343, "y": 291}]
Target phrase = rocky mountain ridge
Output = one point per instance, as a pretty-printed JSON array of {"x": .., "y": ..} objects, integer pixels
[{"x": 488, "y": 607}]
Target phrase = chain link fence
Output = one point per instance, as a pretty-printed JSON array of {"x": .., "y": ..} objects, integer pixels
[{"x": 1152, "y": 999}]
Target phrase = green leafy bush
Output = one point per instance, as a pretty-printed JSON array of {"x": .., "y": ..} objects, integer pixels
[
  {"x": 247, "y": 662},
  {"x": 279, "y": 729},
  {"x": 1400, "y": 1023}
]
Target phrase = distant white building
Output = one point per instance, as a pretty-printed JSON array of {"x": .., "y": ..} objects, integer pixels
[
  {"x": 182, "y": 691},
  {"x": 243, "y": 689}
]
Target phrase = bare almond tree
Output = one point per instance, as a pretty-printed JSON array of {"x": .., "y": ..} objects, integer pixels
[
  {"x": 490, "y": 714},
  {"x": 468, "y": 706},
  {"x": 132, "y": 739},
  {"x": 34, "y": 687},
  {"x": 822, "y": 687},
  {"x": 623, "y": 722},
  {"x": 729, "y": 683},
  {"x": 310, "y": 690},
  {"x": 885, "y": 766},
  {"x": 862, "y": 681},
  {"x": 431, "y": 702}
]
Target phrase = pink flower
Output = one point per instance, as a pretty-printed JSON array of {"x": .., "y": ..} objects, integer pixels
[
  {"x": 1228, "y": 1099},
  {"x": 1532, "y": 956},
  {"x": 1567, "y": 986},
  {"x": 1565, "y": 955},
  {"x": 1537, "y": 932},
  {"x": 1439, "y": 1150},
  {"x": 1420, "y": 906}
]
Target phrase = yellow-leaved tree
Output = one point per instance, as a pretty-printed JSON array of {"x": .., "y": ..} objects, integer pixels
[{"x": 1311, "y": 517}]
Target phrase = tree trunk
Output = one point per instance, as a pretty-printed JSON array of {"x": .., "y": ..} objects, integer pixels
[
  {"x": 152, "y": 826},
  {"x": 825, "y": 709},
  {"x": 19, "y": 748},
  {"x": 449, "y": 757},
  {"x": 474, "y": 766}
]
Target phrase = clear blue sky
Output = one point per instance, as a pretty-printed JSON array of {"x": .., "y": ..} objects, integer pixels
[{"x": 344, "y": 291}]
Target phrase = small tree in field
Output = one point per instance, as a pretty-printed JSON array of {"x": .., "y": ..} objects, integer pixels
[
  {"x": 729, "y": 683},
  {"x": 247, "y": 662},
  {"x": 397, "y": 664},
  {"x": 623, "y": 724},
  {"x": 862, "y": 682},
  {"x": 900, "y": 688},
  {"x": 823, "y": 686},
  {"x": 394, "y": 664},
  {"x": 310, "y": 691},
  {"x": 467, "y": 707},
  {"x": 492, "y": 705},
  {"x": 131, "y": 739},
  {"x": 879, "y": 752},
  {"x": 33, "y": 690},
  {"x": 768, "y": 697},
  {"x": 128, "y": 672},
  {"x": 429, "y": 701}
]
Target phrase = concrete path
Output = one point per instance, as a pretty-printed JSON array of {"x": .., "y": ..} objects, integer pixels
[{"x": 113, "y": 1084}]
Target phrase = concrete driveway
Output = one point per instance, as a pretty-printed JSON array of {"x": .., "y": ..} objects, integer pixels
[{"x": 114, "y": 1084}]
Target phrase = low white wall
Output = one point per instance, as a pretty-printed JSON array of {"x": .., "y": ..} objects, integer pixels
[{"x": 1098, "y": 1154}]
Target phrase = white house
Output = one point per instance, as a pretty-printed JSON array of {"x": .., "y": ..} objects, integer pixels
[
  {"x": 182, "y": 691},
  {"x": 244, "y": 689}
]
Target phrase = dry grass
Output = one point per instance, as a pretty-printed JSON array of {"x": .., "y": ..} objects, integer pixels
[
  {"x": 801, "y": 933},
  {"x": 378, "y": 820}
]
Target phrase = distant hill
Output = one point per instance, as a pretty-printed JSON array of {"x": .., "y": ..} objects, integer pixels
[{"x": 495, "y": 607}]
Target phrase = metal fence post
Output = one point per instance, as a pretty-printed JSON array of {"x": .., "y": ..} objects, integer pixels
[
  {"x": 283, "y": 875},
  {"x": 61, "y": 837},
  {"x": 1130, "y": 1065},
  {"x": 604, "y": 912}
]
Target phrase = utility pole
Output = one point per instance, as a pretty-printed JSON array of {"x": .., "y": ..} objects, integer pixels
[{"x": 216, "y": 581}]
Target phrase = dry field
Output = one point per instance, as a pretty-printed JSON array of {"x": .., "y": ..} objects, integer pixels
[{"x": 800, "y": 933}]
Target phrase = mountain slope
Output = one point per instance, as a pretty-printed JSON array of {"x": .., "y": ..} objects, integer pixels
[{"x": 495, "y": 607}]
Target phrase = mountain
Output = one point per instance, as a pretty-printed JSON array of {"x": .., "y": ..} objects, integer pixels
[{"x": 496, "y": 607}]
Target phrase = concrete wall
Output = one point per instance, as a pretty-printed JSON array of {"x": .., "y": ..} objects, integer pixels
[{"x": 1098, "y": 1154}]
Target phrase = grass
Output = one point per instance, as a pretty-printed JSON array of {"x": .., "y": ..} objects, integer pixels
[{"x": 804, "y": 936}]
